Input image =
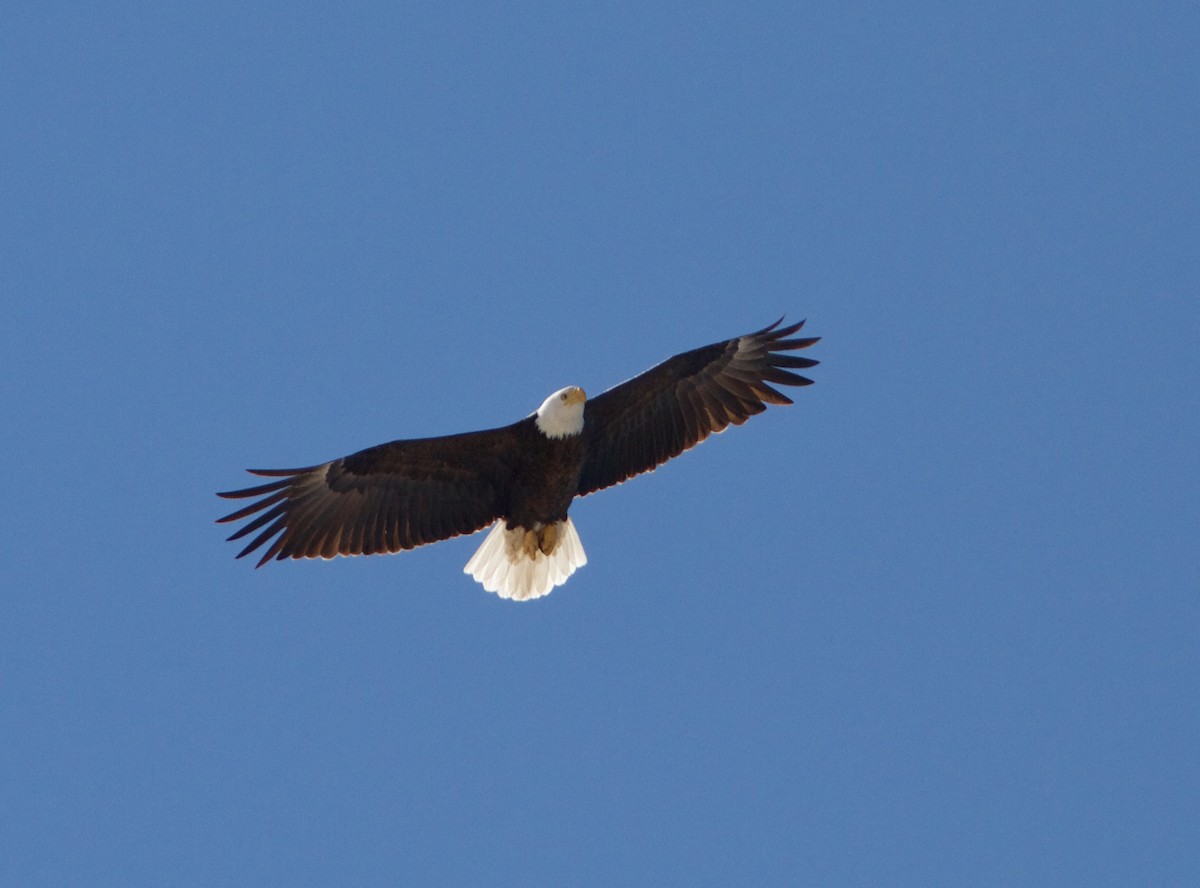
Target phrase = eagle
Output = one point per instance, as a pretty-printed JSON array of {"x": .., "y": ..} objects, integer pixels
[{"x": 520, "y": 479}]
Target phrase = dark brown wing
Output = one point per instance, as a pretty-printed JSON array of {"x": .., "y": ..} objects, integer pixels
[
  {"x": 383, "y": 499},
  {"x": 642, "y": 423}
]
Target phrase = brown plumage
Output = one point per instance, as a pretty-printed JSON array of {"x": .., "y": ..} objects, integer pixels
[
  {"x": 640, "y": 424},
  {"x": 408, "y": 493}
]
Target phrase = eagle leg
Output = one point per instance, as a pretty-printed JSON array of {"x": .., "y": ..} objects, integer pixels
[
  {"x": 548, "y": 538},
  {"x": 530, "y": 544}
]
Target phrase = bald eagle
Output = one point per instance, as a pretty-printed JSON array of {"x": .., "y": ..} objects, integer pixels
[{"x": 520, "y": 478}]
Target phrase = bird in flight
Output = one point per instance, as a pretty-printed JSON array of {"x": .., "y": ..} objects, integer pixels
[{"x": 520, "y": 478}]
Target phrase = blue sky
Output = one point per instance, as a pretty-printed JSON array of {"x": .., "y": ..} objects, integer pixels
[{"x": 934, "y": 625}]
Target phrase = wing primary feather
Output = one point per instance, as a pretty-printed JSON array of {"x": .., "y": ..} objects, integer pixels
[
  {"x": 252, "y": 508},
  {"x": 253, "y": 491},
  {"x": 773, "y": 396},
  {"x": 777, "y": 332},
  {"x": 792, "y": 344},
  {"x": 258, "y": 522},
  {"x": 278, "y": 473},
  {"x": 783, "y": 377},
  {"x": 771, "y": 327},
  {"x": 742, "y": 374},
  {"x": 275, "y": 551},
  {"x": 736, "y": 386},
  {"x": 796, "y": 361},
  {"x": 262, "y": 538}
]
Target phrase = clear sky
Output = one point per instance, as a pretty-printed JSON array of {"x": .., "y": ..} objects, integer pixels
[{"x": 936, "y": 624}]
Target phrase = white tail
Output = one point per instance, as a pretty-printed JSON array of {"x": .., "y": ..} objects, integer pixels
[{"x": 504, "y": 566}]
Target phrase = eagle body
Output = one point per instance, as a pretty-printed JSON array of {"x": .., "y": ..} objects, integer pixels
[
  {"x": 520, "y": 478},
  {"x": 548, "y": 467}
]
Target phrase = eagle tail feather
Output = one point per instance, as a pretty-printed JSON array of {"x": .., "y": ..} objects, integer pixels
[{"x": 502, "y": 563}]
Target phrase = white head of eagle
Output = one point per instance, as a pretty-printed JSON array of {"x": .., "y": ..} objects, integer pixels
[{"x": 561, "y": 414}]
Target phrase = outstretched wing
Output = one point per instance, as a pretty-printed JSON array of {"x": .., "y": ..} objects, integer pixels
[
  {"x": 640, "y": 424},
  {"x": 386, "y": 498}
]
